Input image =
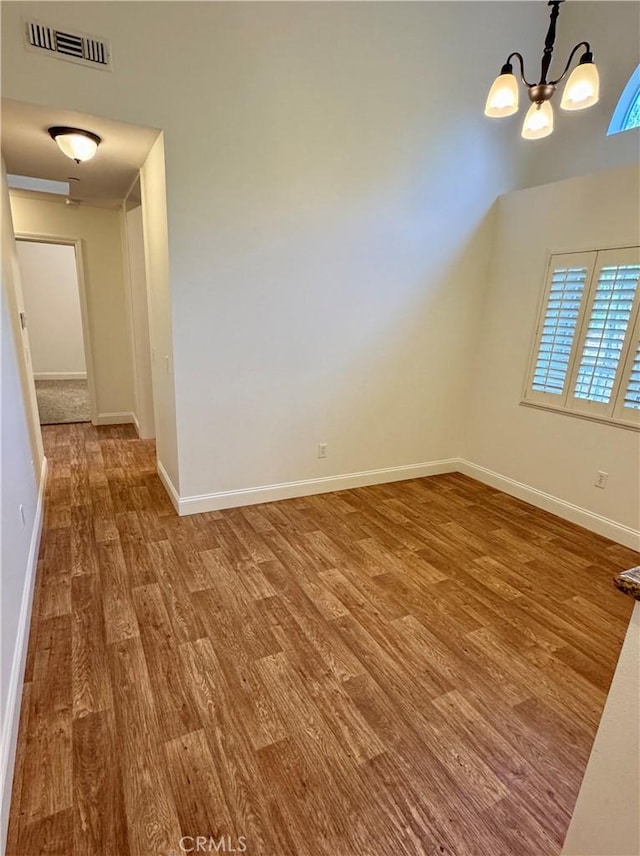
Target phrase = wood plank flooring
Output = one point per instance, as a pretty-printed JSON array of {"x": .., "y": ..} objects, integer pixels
[{"x": 413, "y": 668}]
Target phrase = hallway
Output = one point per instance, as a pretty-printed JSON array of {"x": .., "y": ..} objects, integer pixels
[{"x": 417, "y": 667}]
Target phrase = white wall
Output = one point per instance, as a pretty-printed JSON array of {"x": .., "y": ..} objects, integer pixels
[
  {"x": 21, "y": 468},
  {"x": 52, "y": 301},
  {"x": 140, "y": 322},
  {"x": 606, "y": 819},
  {"x": 100, "y": 231},
  {"x": 550, "y": 452}
]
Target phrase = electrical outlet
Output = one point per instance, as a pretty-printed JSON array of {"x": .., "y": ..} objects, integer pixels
[
  {"x": 322, "y": 450},
  {"x": 601, "y": 479}
]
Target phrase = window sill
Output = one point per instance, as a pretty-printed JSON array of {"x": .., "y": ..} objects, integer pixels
[{"x": 590, "y": 417}]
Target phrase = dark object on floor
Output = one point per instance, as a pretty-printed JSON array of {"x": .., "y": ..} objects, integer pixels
[{"x": 629, "y": 582}]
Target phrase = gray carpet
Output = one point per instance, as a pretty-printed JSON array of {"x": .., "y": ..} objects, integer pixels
[{"x": 62, "y": 401}]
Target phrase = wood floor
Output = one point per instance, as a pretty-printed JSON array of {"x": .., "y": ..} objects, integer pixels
[{"x": 414, "y": 668}]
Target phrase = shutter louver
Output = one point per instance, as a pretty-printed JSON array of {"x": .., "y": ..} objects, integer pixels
[
  {"x": 558, "y": 329},
  {"x": 606, "y": 332}
]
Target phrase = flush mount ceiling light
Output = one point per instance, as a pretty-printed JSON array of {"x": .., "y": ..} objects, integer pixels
[
  {"x": 580, "y": 91},
  {"x": 76, "y": 144}
]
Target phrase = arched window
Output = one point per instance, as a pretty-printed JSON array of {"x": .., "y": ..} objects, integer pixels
[{"x": 627, "y": 112}]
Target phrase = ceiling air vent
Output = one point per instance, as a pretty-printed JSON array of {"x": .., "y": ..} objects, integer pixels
[{"x": 72, "y": 47}]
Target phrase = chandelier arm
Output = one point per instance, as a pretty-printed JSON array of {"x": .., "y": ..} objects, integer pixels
[
  {"x": 521, "y": 62},
  {"x": 584, "y": 45}
]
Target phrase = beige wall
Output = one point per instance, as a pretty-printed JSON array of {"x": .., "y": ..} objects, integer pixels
[
  {"x": 550, "y": 452},
  {"x": 52, "y": 300},
  {"x": 606, "y": 819},
  {"x": 100, "y": 231}
]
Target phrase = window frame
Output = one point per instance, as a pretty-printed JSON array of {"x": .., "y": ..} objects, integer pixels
[
  {"x": 613, "y": 412},
  {"x": 628, "y": 97}
]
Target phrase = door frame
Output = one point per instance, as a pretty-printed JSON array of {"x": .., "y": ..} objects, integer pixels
[{"x": 76, "y": 243}]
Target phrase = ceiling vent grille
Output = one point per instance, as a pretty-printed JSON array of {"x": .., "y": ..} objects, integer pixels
[{"x": 72, "y": 47}]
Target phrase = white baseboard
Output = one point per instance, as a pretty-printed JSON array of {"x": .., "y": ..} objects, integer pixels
[
  {"x": 142, "y": 432},
  {"x": 121, "y": 418},
  {"x": 169, "y": 486},
  {"x": 574, "y": 513},
  {"x": 11, "y": 722},
  {"x": 198, "y": 504},
  {"x": 60, "y": 375},
  {"x": 288, "y": 490}
]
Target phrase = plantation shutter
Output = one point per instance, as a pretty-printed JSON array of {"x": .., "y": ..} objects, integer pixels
[
  {"x": 565, "y": 292},
  {"x": 603, "y": 345}
]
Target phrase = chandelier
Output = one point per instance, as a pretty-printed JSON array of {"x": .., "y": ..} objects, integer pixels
[{"x": 581, "y": 89}]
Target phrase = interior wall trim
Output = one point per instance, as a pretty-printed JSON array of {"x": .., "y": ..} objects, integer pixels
[
  {"x": 170, "y": 488},
  {"x": 124, "y": 417},
  {"x": 60, "y": 375}
]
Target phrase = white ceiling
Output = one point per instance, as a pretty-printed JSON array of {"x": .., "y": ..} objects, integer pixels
[{"x": 28, "y": 149}]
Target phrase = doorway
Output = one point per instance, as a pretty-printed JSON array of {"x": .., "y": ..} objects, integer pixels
[{"x": 53, "y": 301}]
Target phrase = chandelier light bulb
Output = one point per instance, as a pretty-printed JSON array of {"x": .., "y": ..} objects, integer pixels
[
  {"x": 582, "y": 89},
  {"x": 538, "y": 122},
  {"x": 503, "y": 97}
]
